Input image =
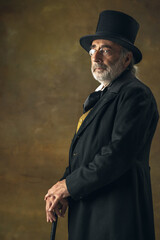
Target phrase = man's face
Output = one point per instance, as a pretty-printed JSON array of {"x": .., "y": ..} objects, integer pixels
[{"x": 107, "y": 64}]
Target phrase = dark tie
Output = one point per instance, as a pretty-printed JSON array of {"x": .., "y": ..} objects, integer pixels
[{"x": 92, "y": 99}]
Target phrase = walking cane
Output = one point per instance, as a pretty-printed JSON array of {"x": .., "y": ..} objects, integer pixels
[{"x": 53, "y": 228}]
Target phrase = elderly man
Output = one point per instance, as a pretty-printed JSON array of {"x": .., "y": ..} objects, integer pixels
[{"x": 107, "y": 183}]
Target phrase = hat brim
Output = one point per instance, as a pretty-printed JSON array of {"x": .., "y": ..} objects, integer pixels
[{"x": 86, "y": 42}]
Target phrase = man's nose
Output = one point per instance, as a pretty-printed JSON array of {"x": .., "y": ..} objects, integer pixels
[{"x": 97, "y": 57}]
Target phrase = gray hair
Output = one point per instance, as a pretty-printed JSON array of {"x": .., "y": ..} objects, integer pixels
[{"x": 131, "y": 67}]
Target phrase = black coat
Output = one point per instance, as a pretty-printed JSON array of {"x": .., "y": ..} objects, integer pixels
[{"x": 109, "y": 175}]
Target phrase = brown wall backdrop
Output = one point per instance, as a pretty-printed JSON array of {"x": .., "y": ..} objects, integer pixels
[{"x": 45, "y": 77}]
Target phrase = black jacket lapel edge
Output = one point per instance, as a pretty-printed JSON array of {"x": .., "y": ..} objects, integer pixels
[{"x": 111, "y": 93}]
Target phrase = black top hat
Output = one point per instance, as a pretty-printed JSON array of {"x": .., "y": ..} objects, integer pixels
[{"x": 117, "y": 27}]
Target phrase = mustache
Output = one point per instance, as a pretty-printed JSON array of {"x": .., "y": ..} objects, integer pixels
[{"x": 99, "y": 65}]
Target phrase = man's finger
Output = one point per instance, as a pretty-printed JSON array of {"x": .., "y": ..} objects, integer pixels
[
  {"x": 50, "y": 217},
  {"x": 54, "y": 203},
  {"x": 58, "y": 212},
  {"x": 63, "y": 210},
  {"x": 46, "y": 196},
  {"x": 47, "y": 218},
  {"x": 49, "y": 193},
  {"x": 48, "y": 204}
]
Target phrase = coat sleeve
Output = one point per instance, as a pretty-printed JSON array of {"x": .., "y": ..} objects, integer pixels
[{"x": 135, "y": 121}]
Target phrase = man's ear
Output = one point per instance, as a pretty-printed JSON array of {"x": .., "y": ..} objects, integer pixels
[{"x": 128, "y": 59}]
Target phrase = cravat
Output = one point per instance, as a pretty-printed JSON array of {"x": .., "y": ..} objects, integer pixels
[{"x": 92, "y": 99}]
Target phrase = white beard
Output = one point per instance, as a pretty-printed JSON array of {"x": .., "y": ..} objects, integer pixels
[{"x": 109, "y": 73}]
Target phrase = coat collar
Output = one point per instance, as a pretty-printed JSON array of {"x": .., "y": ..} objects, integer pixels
[
  {"x": 116, "y": 85},
  {"x": 112, "y": 91}
]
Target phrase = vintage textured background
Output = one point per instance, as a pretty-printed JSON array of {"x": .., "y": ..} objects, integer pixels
[{"x": 45, "y": 77}]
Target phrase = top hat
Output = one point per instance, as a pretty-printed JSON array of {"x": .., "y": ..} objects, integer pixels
[{"x": 117, "y": 27}]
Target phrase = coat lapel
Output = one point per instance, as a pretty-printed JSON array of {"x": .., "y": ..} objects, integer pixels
[
  {"x": 110, "y": 94},
  {"x": 108, "y": 97}
]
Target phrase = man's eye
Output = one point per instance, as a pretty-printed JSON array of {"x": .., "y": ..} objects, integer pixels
[
  {"x": 105, "y": 50},
  {"x": 101, "y": 50}
]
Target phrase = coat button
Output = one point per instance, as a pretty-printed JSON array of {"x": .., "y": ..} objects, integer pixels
[{"x": 74, "y": 154}]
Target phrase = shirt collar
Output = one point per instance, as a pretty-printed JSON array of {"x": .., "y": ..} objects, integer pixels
[{"x": 101, "y": 87}]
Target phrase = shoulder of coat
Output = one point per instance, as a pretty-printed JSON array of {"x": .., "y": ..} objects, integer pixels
[{"x": 137, "y": 86}]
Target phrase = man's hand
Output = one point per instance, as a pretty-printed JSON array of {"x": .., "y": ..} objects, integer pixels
[
  {"x": 59, "y": 209},
  {"x": 50, "y": 215},
  {"x": 55, "y": 200}
]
